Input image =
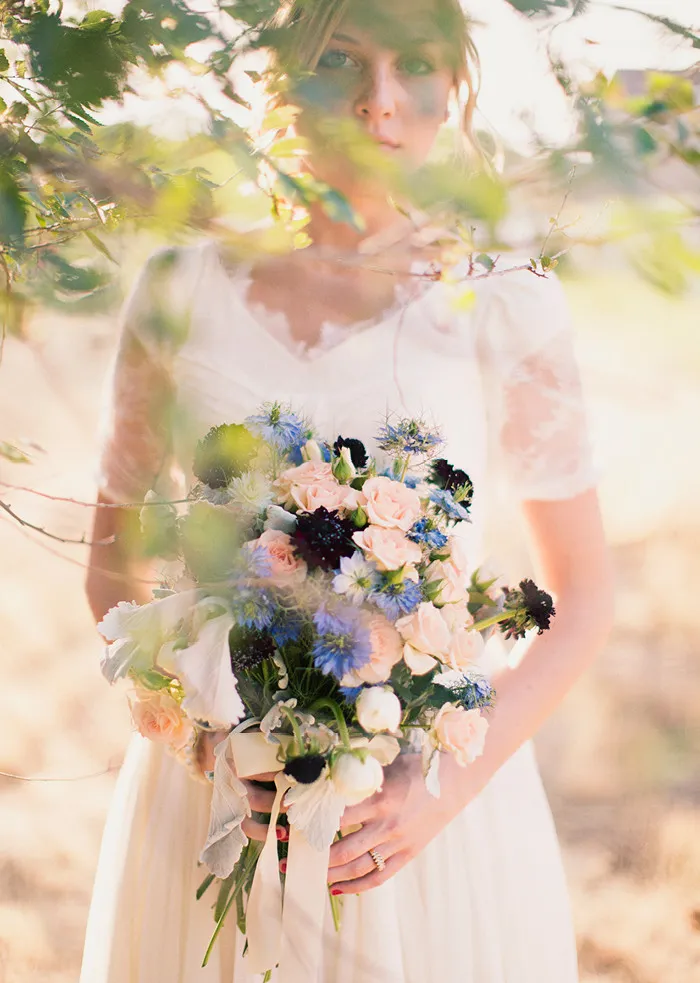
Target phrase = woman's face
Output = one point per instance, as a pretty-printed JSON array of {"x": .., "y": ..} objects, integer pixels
[{"x": 386, "y": 69}]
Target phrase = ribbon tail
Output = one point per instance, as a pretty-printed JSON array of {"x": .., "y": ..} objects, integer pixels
[
  {"x": 305, "y": 903},
  {"x": 264, "y": 909}
]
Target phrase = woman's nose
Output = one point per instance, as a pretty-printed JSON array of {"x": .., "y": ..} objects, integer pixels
[{"x": 378, "y": 100}]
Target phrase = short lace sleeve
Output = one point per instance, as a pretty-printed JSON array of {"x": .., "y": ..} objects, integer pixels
[
  {"x": 535, "y": 402},
  {"x": 136, "y": 427}
]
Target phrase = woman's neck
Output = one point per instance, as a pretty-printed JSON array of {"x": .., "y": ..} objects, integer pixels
[{"x": 383, "y": 226}]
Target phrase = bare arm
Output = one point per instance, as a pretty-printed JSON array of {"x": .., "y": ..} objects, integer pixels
[
  {"x": 115, "y": 572},
  {"x": 401, "y": 820}
]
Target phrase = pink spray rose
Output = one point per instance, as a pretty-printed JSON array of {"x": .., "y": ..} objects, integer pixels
[
  {"x": 390, "y": 503},
  {"x": 328, "y": 493},
  {"x": 308, "y": 473},
  {"x": 425, "y": 636},
  {"x": 286, "y": 567},
  {"x": 389, "y": 548},
  {"x": 461, "y": 732},
  {"x": 158, "y": 717}
]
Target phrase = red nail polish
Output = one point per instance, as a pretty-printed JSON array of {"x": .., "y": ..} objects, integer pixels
[
  {"x": 335, "y": 891},
  {"x": 283, "y": 866},
  {"x": 281, "y": 833}
]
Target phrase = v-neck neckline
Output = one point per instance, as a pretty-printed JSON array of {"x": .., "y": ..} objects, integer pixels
[{"x": 239, "y": 280}]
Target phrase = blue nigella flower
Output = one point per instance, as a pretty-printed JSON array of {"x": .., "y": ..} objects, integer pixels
[
  {"x": 350, "y": 693},
  {"x": 286, "y": 625},
  {"x": 423, "y": 531},
  {"x": 408, "y": 437},
  {"x": 343, "y": 642},
  {"x": 396, "y": 600},
  {"x": 252, "y": 607},
  {"x": 259, "y": 562},
  {"x": 279, "y": 426},
  {"x": 444, "y": 499}
]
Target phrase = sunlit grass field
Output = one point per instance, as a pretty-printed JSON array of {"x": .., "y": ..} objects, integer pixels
[{"x": 619, "y": 758}]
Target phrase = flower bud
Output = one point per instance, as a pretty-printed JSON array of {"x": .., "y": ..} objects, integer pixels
[
  {"x": 311, "y": 451},
  {"x": 378, "y": 708},
  {"x": 343, "y": 468},
  {"x": 356, "y": 777},
  {"x": 359, "y": 518}
]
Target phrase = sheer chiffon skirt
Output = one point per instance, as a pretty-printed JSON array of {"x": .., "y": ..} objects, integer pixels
[{"x": 485, "y": 902}]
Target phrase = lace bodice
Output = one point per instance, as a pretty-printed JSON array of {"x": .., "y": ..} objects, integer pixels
[{"x": 500, "y": 380}]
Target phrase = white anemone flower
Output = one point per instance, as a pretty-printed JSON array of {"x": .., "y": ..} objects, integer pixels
[
  {"x": 316, "y": 810},
  {"x": 139, "y": 631},
  {"x": 204, "y": 669}
]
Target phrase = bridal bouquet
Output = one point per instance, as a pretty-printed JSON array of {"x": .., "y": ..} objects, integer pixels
[{"x": 326, "y": 616}]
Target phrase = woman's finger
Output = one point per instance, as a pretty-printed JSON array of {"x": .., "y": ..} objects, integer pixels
[
  {"x": 367, "y": 811},
  {"x": 356, "y": 844},
  {"x": 256, "y": 831},
  {"x": 361, "y": 866},
  {"x": 373, "y": 879},
  {"x": 260, "y": 799}
]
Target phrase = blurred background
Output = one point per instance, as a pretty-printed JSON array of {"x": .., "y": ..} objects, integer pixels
[{"x": 620, "y": 757}]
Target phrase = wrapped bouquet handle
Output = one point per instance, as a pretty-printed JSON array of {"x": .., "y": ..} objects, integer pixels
[{"x": 282, "y": 931}]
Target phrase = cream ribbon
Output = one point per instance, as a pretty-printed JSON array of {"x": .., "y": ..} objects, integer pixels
[{"x": 285, "y": 931}]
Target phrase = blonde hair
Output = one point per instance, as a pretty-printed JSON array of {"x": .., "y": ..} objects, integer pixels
[{"x": 304, "y": 28}]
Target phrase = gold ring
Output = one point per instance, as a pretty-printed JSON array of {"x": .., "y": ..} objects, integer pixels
[{"x": 377, "y": 859}]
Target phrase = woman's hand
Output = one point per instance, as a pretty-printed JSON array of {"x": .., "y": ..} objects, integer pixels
[
  {"x": 397, "y": 822},
  {"x": 260, "y": 799}
]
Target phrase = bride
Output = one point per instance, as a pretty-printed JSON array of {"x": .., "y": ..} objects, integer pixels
[{"x": 473, "y": 889}]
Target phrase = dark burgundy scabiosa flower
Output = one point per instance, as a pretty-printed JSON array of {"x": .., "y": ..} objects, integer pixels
[
  {"x": 305, "y": 769},
  {"x": 452, "y": 479},
  {"x": 249, "y": 647},
  {"x": 530, "y": 607},
  {"x": 322, "y": 537},
  {"x": 358, "y": 453},
  {"x": 224, "y": 453}
]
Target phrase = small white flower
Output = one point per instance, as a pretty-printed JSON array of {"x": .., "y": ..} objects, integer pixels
[
  {"x": 356, "y": 777},
  {"x": 251, "y": 492},
  {"x": 356, "y": 578},
  {"x": 378, "y": 709}
]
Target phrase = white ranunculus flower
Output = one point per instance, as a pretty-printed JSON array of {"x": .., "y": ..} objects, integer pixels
[
  {"x": 356, "y": 778},
  {"x": 378, "y": 709}
]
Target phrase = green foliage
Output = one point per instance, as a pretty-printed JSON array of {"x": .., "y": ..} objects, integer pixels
[{"x": 68, "y": 182}]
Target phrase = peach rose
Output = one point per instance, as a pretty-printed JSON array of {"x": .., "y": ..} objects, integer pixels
[
  {"x": 390, "y": 503},
  {"x": 389, "y": 548},
  {"x": 286, "y": 567},
  {"x": 461, "y": 732},
  {"x": 386, "y": 651},
  {"x": 308, "y": 473},
  {"x": 328, "y": 493},
  {"x": 464, "y": 649},
  {"x": 159, "y": 717},
  {"x": 456, "y": 616}
]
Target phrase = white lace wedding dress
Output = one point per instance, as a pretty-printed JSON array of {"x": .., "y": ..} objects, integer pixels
[{"x": 486, "y": 901}]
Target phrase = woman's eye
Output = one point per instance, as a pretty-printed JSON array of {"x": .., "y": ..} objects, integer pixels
[
  {"x": 413, "y": 65},
  {"x": 335, "y": 59}
]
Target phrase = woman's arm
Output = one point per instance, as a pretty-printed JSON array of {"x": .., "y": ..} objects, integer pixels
[
  {"x": 114, "y": 571},
  {"x": 574, "y": 565}
]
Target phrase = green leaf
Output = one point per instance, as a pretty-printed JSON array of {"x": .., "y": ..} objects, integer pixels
[
  {"x": 3, "y": 105},
  {"x": 483, "y": 259},
  {"x": 17, "y": 111},
  {"x": 289, "y": 147},
  {"x": 4, "y": 62},
  {"x": 12, "y": 453},
  {"x": 152, "y": 679},
  {"x": 99, "y": 245}
]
